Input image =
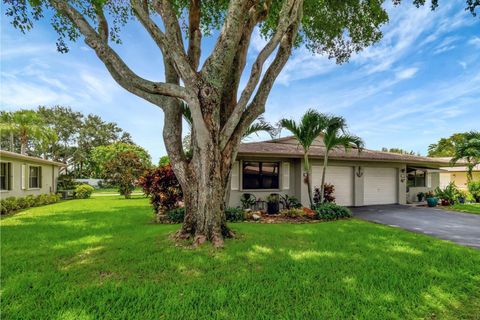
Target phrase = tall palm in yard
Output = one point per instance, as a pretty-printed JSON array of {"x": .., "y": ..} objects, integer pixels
[
  {"x": 306, "y": 131},
  {"x": 469, "y": 150},
  {"x": 26, "y": 124},
  {"x": 336, "y": 136}
]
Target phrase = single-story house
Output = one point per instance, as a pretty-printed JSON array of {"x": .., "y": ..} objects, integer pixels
[
  {"x": 361, "y": 178},
  {"x": 23, "y": 175},
  {"x": 458, "y": 175}
]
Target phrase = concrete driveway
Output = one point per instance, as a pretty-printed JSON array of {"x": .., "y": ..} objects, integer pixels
[{"x": 462, "y": 228}]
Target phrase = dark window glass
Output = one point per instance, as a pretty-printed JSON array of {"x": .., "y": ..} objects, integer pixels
[
  {"x": 4, "y": 176},
  {"x": 34, "y": 177},
  {"x": 416, "y": 178},
  {"x": 260, "y": 175}
]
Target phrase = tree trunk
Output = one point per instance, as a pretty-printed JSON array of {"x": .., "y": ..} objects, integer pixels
[
  {"x": 324, "y": 171},
  {"x": 204, "y": 197},
  {"x": 307, "y": 177}
]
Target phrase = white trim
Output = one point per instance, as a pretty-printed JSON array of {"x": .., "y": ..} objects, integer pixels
[
  {"x": 285, "y": 175},
  {"x": 23, "y": 174},
  {"x": 235, "y": 180}
]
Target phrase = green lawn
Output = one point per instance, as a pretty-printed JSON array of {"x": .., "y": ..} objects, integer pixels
[
  {"x": 113, "y": 190},
  {"x": 468, "y": 208},
  {"x": 102, "y": 259}
]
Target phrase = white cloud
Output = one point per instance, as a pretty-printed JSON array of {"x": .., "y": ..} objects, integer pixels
[
  {"x": 406, "y": 73},
  {"x": 474, "y": 41}
]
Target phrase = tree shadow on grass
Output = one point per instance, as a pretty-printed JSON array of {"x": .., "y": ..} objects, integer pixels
[{"x": 112, "y": 263}]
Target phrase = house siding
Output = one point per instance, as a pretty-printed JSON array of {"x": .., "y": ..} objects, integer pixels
[{"x": 49, "y": 175}]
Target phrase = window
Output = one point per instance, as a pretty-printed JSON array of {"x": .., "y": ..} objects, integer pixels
[
  {"x": 260, "y": 175},
  {"x": 34, "y": 177},
  {"x": 416, "y": 178},
  {"x": 5, "y": 173}
]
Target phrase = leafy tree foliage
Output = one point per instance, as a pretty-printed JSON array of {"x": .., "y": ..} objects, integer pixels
[
  {"x": 468, "y": 149},
  {"x": 445, "y": 147},
  {"x": 102, "y": 154},
  {"x": 123, "y": 170}
]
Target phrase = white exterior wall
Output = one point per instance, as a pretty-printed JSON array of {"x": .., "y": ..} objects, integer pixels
[{"x": 48, "y": 184}]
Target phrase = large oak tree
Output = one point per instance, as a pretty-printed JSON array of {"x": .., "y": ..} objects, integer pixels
[{"x": 221, "y": 111}]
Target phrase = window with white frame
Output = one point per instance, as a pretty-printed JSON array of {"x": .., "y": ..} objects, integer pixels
[{"x": 34, "y": 177}]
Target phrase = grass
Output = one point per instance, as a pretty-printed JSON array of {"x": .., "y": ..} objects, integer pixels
[
  {"x": 101, "y": 258},
  {"x": 467, "y": 208}
]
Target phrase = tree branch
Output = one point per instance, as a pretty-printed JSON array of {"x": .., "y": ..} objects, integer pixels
[
  {"x": 289, "y": 16},
  {"x": 218, "y": 64},
  {"x": 194, "y": 33},
  {"x": 120, "y": 71}
]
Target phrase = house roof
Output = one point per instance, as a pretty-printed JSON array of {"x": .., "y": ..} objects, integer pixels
[
  {"x": 461, "y": 169},
  {"x": 19, "y": 156},
  {"x": 287, "y": 148}
]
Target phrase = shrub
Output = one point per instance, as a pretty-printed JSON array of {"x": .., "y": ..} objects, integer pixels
[
  {"x": 474, "y": 189},
  {"x": 248, "y": 200},
  {"x": 234, "y": 214},
  {"x": 12, "y": 204},
  {"x": 331, "y": 211},
  {"x": 83, "y": 191},
  {"x": 290, "y": 202},
  {"x": 449, "y": 193},
  {"x": 66, "y": 182},
  {"x": 292, "y": 213},
  {"x": 176, "y": 215},
  {"x": 162, "y": 187},
  {"x": 328, "y": 191}
]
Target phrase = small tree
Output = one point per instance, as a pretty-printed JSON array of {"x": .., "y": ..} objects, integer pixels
[
  {"x": 306, "y": 131},
  {"x": 123, "y": 170},
  {"x": 336, "y": 136}
]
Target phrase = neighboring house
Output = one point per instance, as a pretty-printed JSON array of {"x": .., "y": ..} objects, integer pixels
[
  {"x": 458, "y": 175},
  {"x": 22, "y": 175},
  {"x": 366, "y": 178}
]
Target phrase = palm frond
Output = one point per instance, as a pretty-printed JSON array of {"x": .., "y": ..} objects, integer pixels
[{"x": 259, "y": 126}]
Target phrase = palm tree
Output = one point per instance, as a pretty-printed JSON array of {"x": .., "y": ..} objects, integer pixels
[
  {"x": 26, "y": 124},
  {"x": 336, "y": 136},
  {"x": 468, "y": 149},
  {"x": 306, "y": 131}
]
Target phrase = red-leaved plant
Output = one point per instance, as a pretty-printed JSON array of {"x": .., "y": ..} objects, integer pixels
[{"x": 162, "y": 187}]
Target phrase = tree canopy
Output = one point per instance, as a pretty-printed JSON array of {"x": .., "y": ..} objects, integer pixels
[{"x": 445, "y": 147}]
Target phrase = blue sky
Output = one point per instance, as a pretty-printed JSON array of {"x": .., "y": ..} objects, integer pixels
[{"x": 420, "y": 83}]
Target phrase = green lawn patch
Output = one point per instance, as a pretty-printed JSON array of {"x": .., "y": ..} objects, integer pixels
[
  {"x": 114, "y": 191},
  {"x": 101, "y": 258},
  {"x": 467, "y": 208}
]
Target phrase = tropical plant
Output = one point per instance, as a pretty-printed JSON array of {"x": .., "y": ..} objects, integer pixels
[
  {"x": 336, "y": 136},
  {"x": 328, "y": 191},
  {"x": 248, "y": 200},
  {"x": 468, "y": 149},
  {"x": 306, "y": 131},
  {"x": 123, "y": 170},
  {"x": 449, "y": 194},
  {"x": 290, "y": 202},
  {"x": 474, "y": 189},
  {"x": 27, "y": 125},
  {"x": 162, "y": 187}
]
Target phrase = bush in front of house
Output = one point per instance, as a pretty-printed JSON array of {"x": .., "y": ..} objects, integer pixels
[
  {"x": 234, "y": 214},
  {"x": 474, "y": 189},
  {"x": 83, "y": 191},
  {"x": 12, "y": 204},
  {"x": 331, "y": 211},
  {"x": 328, "y": 191}
]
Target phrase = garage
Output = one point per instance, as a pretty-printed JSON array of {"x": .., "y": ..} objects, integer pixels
[
  {"x": 380, "y": 185},
  {"x": 341, "y": 178}
]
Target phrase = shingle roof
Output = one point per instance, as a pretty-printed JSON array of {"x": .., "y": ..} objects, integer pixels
[{"x": 280, "y": 148}]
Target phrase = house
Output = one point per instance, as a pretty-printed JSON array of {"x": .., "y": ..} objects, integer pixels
[
  {"x": 22, "y": 175},
  {"x": 458, "y": 175},
  {"x": 366, "y": 178}
]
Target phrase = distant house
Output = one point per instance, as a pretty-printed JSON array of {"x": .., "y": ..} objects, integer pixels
[
  {"x": 458, "y": 175},
  {"x": 22, "y": 175},
  {"x": 366, "y": 178}
]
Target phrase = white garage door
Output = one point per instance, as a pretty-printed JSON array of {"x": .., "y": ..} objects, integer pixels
[
  {"x": 380, "y": 186},
  {"x": 341, "y": 178}
]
